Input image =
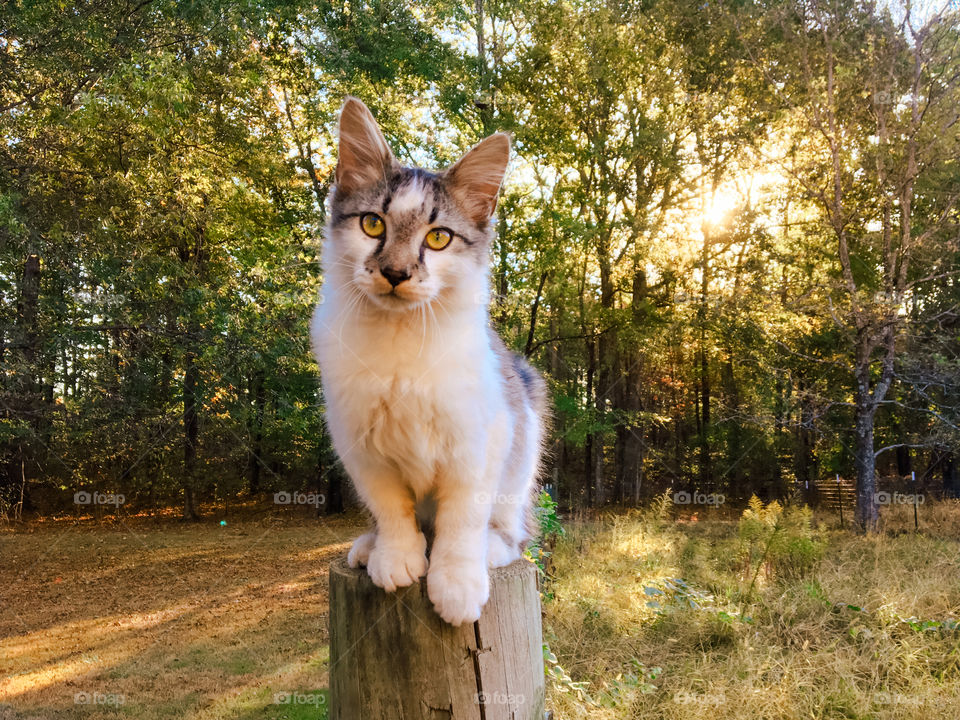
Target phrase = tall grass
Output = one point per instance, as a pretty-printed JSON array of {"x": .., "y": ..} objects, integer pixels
[{"x": 753, "y": 619}]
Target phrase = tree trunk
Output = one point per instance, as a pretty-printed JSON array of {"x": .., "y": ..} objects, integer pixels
[
  {"x": 255, "y": 458},
  {"x": 804, "y": 459},
  {"x": 531, "y": 333},
  {"x": 24, "y": 404},
  {"x": 599, "y": 481},
  {"x": 333, "y": 492},
  {"x": 28, "y": 308},
  {"x": 633, "y": 463},
  {"x": 619, "y": 454},
  {"x": 734, "y": 479},
  {"x": 904, "y": 461},
  {"x": 778, "y": 425},
  {"x": 951, "y": 481},
  {"x": 606, "y": 371},
  {"x": 391, "y": 656},
  {"x": 503, "y": 268},
  {"x": 866, "y": 515},
  {"x": 191, "y": 430},
  {"x": 703, "y": 359},
  {"x": 706, "y": 474},
  {"x": 630, "y": 435},
  {"x": 588, "y": 445}
]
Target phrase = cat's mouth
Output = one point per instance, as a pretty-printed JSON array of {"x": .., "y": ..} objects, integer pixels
[
  {"x": 397, "y": 299},
  {"x": 393, "y": 298}
]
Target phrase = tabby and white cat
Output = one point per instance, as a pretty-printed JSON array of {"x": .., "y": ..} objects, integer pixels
[{"x": 437, "y": 423}]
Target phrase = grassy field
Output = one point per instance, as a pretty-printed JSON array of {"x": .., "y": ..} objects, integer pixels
[
  {"x": 151, "y": 621},
  {"x": 646, "y": 617},
  {"x": 658, "y": 619}
]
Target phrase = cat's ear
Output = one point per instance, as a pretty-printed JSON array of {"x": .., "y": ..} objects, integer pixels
[
  {"x": 364, "y": 158},
  {"x": 475, "y": 180}
]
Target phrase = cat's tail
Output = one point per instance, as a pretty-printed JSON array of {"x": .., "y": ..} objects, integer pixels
[{"x": 537, "y": 397}]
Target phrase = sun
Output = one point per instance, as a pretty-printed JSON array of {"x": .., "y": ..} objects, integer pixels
[{"x": 718, "y": 209}]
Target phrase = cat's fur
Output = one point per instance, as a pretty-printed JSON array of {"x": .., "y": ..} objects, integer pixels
[{"x": 437, "y": 423}]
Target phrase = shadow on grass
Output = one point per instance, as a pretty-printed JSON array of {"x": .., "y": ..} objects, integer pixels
[{"x": 236, "y": 629}]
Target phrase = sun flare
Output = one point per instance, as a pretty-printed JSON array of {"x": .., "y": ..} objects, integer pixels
[{"x": 718, "y": 209}]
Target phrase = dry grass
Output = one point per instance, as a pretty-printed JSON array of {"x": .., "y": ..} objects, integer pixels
[
  {"x": 835, "y": 643},
  {"x": 146, "y": 620},
  {"x": 203, "y": 622}
]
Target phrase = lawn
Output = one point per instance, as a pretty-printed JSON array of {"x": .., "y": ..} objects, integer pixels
[
  {"x": 168, "y": 620},
  {"x": 646, "y": 616}
]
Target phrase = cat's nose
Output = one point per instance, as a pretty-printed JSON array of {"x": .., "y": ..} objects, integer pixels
[{"x": 394, "y": 276}]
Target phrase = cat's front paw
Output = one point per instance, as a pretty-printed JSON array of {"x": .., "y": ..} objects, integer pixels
[
  {"x": 499, "y": 553},
  {"x": 360, "y": 550},
  {"x": 393, "y": 565},
  {"x": 458, "y": 592}
]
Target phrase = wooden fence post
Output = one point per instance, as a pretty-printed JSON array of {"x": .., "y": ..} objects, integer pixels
[
  {"x": 391, "y": 656},
  {"x": 916, "y": 519},
  {"x": 840, "y": 500}
]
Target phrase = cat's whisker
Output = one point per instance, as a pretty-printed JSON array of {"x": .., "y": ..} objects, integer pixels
[
  {"x": 354, "y": 299},
  {"x": 443, "y": 307},
  {"x": 340, "y": 261},
  {"x": 433, "y": 315},
  {"x": 423, "y": 336}
]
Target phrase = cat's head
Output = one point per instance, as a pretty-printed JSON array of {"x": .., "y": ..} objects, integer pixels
[{"x": 403, "y": 236}]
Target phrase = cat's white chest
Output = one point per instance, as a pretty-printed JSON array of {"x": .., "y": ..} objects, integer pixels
[{"x": 411, "y": 397}]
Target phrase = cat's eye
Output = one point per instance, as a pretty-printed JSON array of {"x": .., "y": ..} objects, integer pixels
[
  {"x": 373, "y": 225},
  {"x": 438, "y": 238}
]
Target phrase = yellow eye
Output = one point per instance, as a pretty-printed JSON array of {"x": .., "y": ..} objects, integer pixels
[
  {"x": 373, "y": 225},
  {"x": 438, "y": 238}
]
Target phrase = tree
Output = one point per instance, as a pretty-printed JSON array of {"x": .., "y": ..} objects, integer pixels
[{"x": 873, "y": 108}]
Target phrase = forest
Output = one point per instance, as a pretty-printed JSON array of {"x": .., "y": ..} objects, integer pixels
[{"x": 728, "y": 236}]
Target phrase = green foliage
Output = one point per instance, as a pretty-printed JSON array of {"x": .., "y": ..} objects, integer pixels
[
  {"x": 780, "y": 540},
  {"x": 677, "y": 592},
  {"x": 549, "y": 529},
  {"x": 664, "y": 249},
  {"x": 620, "y": 689},
  {"x": 548, "y": 522},
  {"x": 658, "y": 511},
  {"x": 560, "y": 679}
]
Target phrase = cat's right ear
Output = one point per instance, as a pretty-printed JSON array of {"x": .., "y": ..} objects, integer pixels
[{"x": 364, "y": 158}]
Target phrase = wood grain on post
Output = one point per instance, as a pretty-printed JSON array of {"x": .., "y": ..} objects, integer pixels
[{"x": 392, "y": 657}]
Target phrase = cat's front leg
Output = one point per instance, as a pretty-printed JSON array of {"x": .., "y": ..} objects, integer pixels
[
  {"x": 395, "y": 554},
  {"x": 458, "y": 583}
]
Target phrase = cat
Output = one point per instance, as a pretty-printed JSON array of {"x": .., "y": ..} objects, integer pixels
[{"x": 436, "y": 422}]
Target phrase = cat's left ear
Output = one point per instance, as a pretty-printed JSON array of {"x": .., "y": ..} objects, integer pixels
[{"x": 475, "y": 179}]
